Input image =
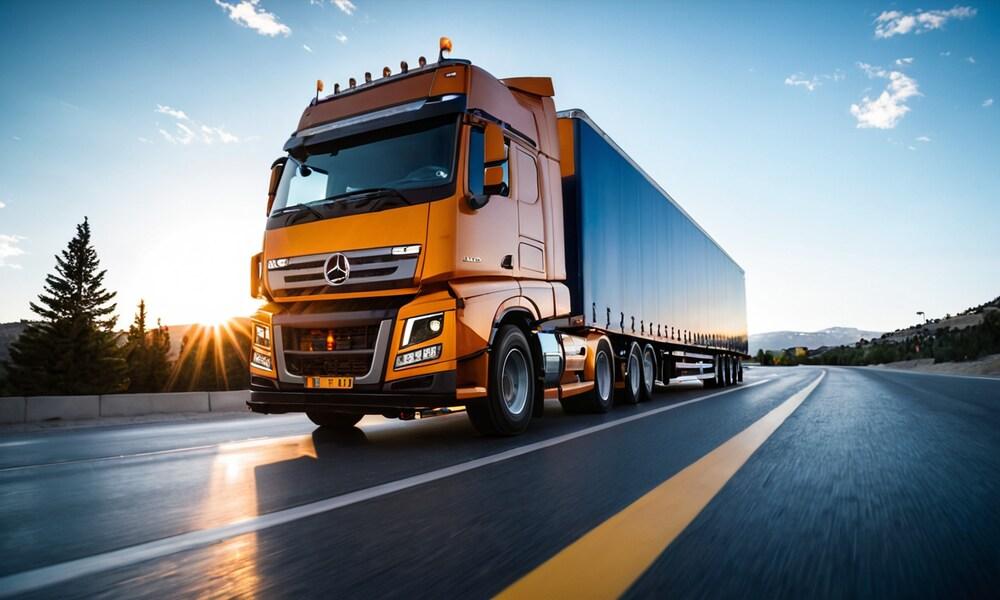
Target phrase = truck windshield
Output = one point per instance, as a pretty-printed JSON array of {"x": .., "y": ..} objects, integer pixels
[{"x": 410, "y": 163}]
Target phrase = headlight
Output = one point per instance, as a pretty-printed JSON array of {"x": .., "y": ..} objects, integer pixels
[
  {"x": 421, "y": 329},
  {"x": 261, "y": 360},
  {"x": 419, "y": 355},
  {"x": 262, "y": 335},
  {"x": 277, "y": 263}
]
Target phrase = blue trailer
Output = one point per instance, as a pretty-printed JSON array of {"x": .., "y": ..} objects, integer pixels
[{"x": 641, "y": 269}]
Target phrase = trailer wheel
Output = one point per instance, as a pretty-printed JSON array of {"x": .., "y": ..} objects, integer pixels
[
  {"x": 632, "y": 393},
  {"x": 506, "y": 409},
  {"x": 601, "y": 398},
  {"x": 739, "y": 371},
  {"x": 648, "y": 372},
  {"x": 716, "y": 380},
  {"x": 727, "y": 371},
  {"x": 335, "y": 421}
]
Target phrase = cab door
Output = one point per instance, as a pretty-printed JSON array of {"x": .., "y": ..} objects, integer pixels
[{"x": 531, "y": 228}]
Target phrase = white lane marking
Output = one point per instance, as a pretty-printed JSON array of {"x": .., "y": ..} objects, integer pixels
[
  {"x": 18, "y": 443},
  {"x": 908, "y": 372},
  {"x": 27, "y": 581}
]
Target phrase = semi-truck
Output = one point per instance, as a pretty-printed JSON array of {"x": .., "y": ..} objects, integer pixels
[{"x": 438, "y": 239}]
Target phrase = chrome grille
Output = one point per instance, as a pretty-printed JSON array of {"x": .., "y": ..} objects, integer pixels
[{"x": 371, "y": 269}]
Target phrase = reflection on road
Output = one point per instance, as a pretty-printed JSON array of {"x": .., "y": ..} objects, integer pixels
[{"x": 232, "y": 496}]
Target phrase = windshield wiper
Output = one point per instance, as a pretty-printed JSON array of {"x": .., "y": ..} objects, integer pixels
[
  {"x": 365, "y": 194},
  {"x": 296, "y": 209}
]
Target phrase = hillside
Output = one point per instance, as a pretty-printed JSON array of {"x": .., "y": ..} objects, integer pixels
[{"x": 833, "y": 336}]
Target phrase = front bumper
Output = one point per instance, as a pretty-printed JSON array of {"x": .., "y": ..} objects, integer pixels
[{"x": 435, "y": 390}]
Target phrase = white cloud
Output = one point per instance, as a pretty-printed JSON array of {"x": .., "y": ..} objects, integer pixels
[
  {"x": 307, "y": 48},
  {"x": 911, "y": 148},
  {"x": 3, "y": 204},
  {"x": 144, "y": 140},
  {"x": 924, "y": 139},
  {"x": 15, "y": 138},
  {"x": 799, "y": 80},
  {"x": 811, "y": 83},
  {"x": 988, "y": 103},
  {"x": 192, "y": 131},
  {"x": 894, "y": 22},
  {"x": 248, "y": 14},
  {"x": 971, "y": 60},
  {"x": 902, "y": 62},
  {"x": 346, "y": 6},
  {"x": 341, "y": 37},
  {"x": 173, "y": 112},
  {"x": 885, "y": 111},
  {"x": 9, "y": 249},
  {"x": 945, "y": 53}
]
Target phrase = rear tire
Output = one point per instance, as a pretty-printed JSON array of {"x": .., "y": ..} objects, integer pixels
[
  {"x": 335, "y": 421},
  {"x": 632, "y": 394},
  {"x": 648, "y": 372},
  {"x": 601, "y": 398},
  {"x": 716, "y": 380},
  {"x": 507, "y": 407}
]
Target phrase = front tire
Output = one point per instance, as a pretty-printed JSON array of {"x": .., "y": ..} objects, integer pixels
[
  {"x": 335, "y": 421},
  {"x": 507, "y": 407}
]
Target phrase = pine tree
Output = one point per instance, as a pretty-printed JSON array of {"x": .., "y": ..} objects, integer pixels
[
  {"x": 73, "y": 348},
  {"x": 147, "y": 354}
]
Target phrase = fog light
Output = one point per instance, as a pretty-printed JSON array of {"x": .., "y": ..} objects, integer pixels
[
  {"x": 277, "y": 263},
  {"x": 419, "y": 355},
  {"x": 261, "y": 360}
]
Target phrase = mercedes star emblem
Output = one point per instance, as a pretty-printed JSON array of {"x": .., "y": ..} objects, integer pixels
[{"x": 337, "y": 269}]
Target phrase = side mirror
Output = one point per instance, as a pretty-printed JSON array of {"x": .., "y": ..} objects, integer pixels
[
  {"x": 277, "y": 168},
  {"x": 494, "y": 150},
  {"x": 493, "y": 181}
]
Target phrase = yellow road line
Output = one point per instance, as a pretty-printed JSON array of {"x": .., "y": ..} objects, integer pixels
[{"x": 608, "y": 559}]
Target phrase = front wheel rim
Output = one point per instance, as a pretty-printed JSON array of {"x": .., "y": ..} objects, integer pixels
[{"x": 514, "y": 381}]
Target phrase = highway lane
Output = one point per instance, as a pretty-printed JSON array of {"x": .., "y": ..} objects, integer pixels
[{"x": 859, "y": 492}]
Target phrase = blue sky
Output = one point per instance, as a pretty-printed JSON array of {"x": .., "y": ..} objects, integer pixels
[{"x": 846, "y": 154}]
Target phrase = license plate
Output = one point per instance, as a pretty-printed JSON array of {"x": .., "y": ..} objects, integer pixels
[{"x": 330, "y": 383}]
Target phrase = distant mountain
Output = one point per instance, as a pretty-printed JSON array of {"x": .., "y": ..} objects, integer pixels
[{"x": 834, "y": 336}]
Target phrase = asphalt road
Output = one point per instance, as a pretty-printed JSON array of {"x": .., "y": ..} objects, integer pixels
[{"x": 867, "y": 483}]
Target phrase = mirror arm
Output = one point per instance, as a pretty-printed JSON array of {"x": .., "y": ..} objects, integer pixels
[{"x": 477, "y": 201}]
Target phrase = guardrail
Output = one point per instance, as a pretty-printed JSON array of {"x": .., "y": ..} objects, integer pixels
[{"x": 29, "y": 409}]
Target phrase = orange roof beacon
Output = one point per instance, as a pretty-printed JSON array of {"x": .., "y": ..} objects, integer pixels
[{"x": 439, "y": 238}]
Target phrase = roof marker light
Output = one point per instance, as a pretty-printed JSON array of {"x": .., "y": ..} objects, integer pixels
[
  {"x": 352, "y": 82},
  {"x": 386, "y": 72},
  {"x": 422, "y": 62},
  {"x": 445, "y": 45},
  {"x": 403, "y": 66},
  {"x": 368, "y": 77},
  {"x": 336, "y": 88}
]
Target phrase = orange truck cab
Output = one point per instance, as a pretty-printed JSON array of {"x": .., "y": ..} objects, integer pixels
[{"x": 415, "y": 261}]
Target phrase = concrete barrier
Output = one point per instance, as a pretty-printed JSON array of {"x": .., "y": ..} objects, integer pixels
[
  {"x": 68, "y": 408},
  {"x": 131, "y": 405},
  {"x": 12, "y": 409},
  {"x": 228, "y": 401}
]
